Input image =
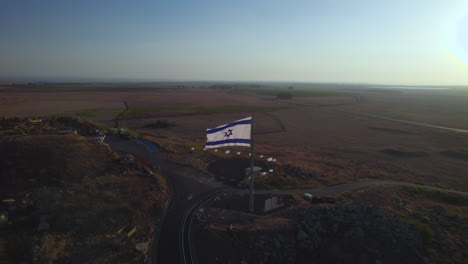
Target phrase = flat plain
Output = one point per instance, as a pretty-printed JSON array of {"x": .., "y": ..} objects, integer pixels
[{"x": 306, "y": 131}]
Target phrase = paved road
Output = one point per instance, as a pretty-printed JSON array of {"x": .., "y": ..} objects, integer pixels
[
  {"x": 188, "y": 253},
  {"x": 189, "y": 187},
  {"x": 334, "y": 189}
]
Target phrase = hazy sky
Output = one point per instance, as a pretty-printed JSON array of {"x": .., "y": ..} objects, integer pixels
[{"x": 392, "y": 42}]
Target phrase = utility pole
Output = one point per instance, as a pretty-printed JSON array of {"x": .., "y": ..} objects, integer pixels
[{"x": 251, "y": 204}]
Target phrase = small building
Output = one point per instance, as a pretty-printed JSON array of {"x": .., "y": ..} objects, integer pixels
[
  {"x": 256, "y": 170},
  {"x": 272, "y": 204}
]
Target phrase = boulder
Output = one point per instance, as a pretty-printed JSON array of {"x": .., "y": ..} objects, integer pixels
[
  {"x": 43, "y": 226},
  {"x": 301, "y": 235},
  {"x": 142, "y": 247},
  {"x": 277, "y": 243}
]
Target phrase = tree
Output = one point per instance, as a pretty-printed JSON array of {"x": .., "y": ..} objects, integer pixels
[{"x": 284, "y": 95}]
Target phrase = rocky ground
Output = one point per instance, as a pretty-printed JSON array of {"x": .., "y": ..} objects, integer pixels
[
  {"x": 67, "y": 198},
  {"x": 373, "y": 225}
]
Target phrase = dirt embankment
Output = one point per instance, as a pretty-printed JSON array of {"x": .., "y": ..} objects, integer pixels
[{"x": 68, "y": 199}]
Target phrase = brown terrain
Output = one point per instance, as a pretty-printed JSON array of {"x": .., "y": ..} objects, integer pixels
[
  {"x": 317, "y": 141},
  {"x": 335, "y": 146}
]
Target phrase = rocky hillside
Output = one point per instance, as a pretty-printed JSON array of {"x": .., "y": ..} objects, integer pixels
[
  {"x": 66, "y": 198},
  {"x": 372, "y": 225},
  {"x": 355, "y": 233}
]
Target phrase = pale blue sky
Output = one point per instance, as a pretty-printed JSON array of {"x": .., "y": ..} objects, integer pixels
[{"x": 387, "y": 42}]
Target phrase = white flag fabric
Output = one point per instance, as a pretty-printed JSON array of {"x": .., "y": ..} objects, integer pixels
[{"x": 236, "y": 133}]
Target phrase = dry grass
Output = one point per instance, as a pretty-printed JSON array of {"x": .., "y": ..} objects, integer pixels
[{"x": 53, "y": 248}]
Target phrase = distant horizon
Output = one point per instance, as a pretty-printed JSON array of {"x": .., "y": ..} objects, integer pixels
[{"x": 163, "y": 80}]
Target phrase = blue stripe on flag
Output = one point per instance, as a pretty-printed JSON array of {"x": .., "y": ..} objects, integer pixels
[
  {"x": 238, "y": 140},
  {"x": 217, "y": 129}
]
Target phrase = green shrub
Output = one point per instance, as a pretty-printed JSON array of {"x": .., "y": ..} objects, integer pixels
[
  {"x": 424, "y": 230},
  {"x": 416, "y": 192}
]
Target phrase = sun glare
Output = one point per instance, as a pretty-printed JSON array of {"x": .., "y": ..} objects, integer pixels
[{"x": 458, "y": 46}]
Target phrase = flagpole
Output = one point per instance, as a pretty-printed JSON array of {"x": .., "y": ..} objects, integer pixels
[{"x": 251, "y": 204}]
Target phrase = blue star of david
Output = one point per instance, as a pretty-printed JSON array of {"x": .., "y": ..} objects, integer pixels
[{"x": 228, "y": 133}]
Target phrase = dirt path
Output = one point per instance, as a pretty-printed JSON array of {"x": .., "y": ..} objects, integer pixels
[{"x": 117, "y": 118}]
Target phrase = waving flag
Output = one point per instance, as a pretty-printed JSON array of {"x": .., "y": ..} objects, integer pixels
[{"x": 236, "y": 133}]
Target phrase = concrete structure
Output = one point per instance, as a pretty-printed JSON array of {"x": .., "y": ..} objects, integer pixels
[
  {"x": 271, "y": 204},
  {"x": 255, "y": 169}
]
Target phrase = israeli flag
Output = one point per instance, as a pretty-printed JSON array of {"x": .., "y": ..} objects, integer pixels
[{"x": 236, "y": 133}]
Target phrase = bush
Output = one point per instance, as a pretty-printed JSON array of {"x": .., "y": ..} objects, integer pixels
[
  {"x": 284, "y": 95},
  {"x": 424, "y": 230},
  {"x": 416, "y": 192},
  {"x": 159, "y": 124},
  {"x": 298, "y": 172}
]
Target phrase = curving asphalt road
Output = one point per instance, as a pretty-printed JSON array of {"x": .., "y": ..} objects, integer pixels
[
  {"x": 191, "y": 188},
  {"x": 187, "y": 187}
]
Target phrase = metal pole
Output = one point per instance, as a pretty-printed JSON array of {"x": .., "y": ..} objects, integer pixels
[{"x": 251, "y": 204}]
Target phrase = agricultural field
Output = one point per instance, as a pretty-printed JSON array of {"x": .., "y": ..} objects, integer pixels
[{"x": 309, "y": 131}]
